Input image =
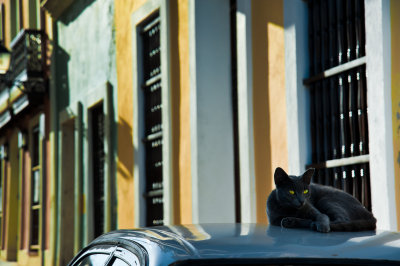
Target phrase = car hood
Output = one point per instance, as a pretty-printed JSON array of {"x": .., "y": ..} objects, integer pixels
[{"x": 214, "y": 241}]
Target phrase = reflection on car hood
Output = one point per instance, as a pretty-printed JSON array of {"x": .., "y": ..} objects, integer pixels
[{"x": 208, "y": 241}]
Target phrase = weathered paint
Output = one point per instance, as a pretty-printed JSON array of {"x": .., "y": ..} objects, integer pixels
[
  {"x": 270, "y": 139},
  {"x": 84, "y": 72},
  {"x": 395, "y": 73},
  {"x": 122, "y": 14}
]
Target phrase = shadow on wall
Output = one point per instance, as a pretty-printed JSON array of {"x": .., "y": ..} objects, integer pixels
[
  {"x": 75, "y": 10},
  {"x": 175, "y": 107},
  {"x": 125, "y": 166},
  {"x": 62, "y": 79}
]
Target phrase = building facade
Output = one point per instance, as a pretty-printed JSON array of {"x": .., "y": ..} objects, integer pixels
[
  {"x": 25, "y": 134},
  {"x": 213, "y": 77},
  {"x": 83, "y": 105},
  {"x": 260, "y": 85},
  {"x": 149, "y": 112}
]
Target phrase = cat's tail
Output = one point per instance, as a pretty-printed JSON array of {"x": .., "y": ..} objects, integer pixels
[{"x": 355, "y": 225}]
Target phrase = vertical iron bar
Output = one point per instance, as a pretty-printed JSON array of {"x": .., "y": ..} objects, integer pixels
[
  {"x": 333, "y": 51},
  {"x": 353, "y": 123},
  {"x": 317, "y": 36},
  {"x": 341, "y": 35},
  {"x": 359, "y": 29},
  {"x": 362, "y": 111},
  {"x": 325, "y": 34},
  {"x": 235, "y": 114},
  {"x": 350, "y": 29}
]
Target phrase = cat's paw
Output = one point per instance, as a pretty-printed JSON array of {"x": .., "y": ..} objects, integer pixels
[
  {"x": 321, "y": 227},
  {"x": 288, "y": 222}
]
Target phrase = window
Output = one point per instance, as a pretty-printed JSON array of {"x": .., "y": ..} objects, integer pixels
[
  {"x": 35, "y": 189},
  {"x": 152, "y": 112},
  {"x": 98, "y": 161},
  {"x": 152, "y": 134},
  {"x": 338, "y": 104}
]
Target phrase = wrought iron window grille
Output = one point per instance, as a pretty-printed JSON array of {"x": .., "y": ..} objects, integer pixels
[
  {"x": 152, "y": 113},
  {"x": 337, "y": 87}
]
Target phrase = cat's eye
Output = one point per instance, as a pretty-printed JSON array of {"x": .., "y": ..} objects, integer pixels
[
  {"x": 291, "y": 192},
  {"x": 305, "y": 191}
]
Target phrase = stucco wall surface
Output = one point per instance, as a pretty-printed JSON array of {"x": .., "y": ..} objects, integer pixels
[{"x": 86, "y": 49}]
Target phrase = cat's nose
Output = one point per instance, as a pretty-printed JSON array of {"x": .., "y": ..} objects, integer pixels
[{"x": 301, "y": 203}]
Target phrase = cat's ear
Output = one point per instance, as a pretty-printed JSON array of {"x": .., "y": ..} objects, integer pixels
[
  {"x": 308, "y": 175},
  {"x": 280, "y": 176}
]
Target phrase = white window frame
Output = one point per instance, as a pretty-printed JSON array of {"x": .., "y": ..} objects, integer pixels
[
  {"x": 378, "y": 51},
  {"x": 137, "y": 17},
  {"x": 248, "y": 204}
]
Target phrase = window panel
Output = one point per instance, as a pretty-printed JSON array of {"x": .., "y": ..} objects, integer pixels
[
  {"x": 35, "y": 227},
  {"x": 98, "y": 161},
  {"x": 35, "y": 188},
  {"x": 150, "y": 37},
  {"x": 338, "y": 104}
]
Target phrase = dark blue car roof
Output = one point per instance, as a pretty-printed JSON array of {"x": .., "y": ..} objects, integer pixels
[{"x": 168, "y": 244}]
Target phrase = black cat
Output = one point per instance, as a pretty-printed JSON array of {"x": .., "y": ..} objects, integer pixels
[{"x": 295, "y": 203}]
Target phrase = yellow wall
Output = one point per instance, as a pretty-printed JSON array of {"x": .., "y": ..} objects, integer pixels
[
  {"x": 123, "y": 10},
  {"x": 269, "y": 97},
  {"x": 180, "y": 110},
  {"x": 395, "y": 44}
]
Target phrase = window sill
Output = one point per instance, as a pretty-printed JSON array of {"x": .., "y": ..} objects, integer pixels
[
  {"x": 335, "y": 70},
  {"x": 341, "y": 162}
]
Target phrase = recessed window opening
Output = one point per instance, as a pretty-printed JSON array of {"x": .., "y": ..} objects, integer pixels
[
  {"x": 338, "y": 98},
  {"x": 98, "y": 162},
  {"x": 152, "y": 112}
]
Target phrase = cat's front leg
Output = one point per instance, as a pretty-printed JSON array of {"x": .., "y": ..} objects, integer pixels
[{"x": 321, "y": 224}]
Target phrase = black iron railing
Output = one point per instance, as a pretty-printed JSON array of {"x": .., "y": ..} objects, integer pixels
[{"x": 28, "y": 60}]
